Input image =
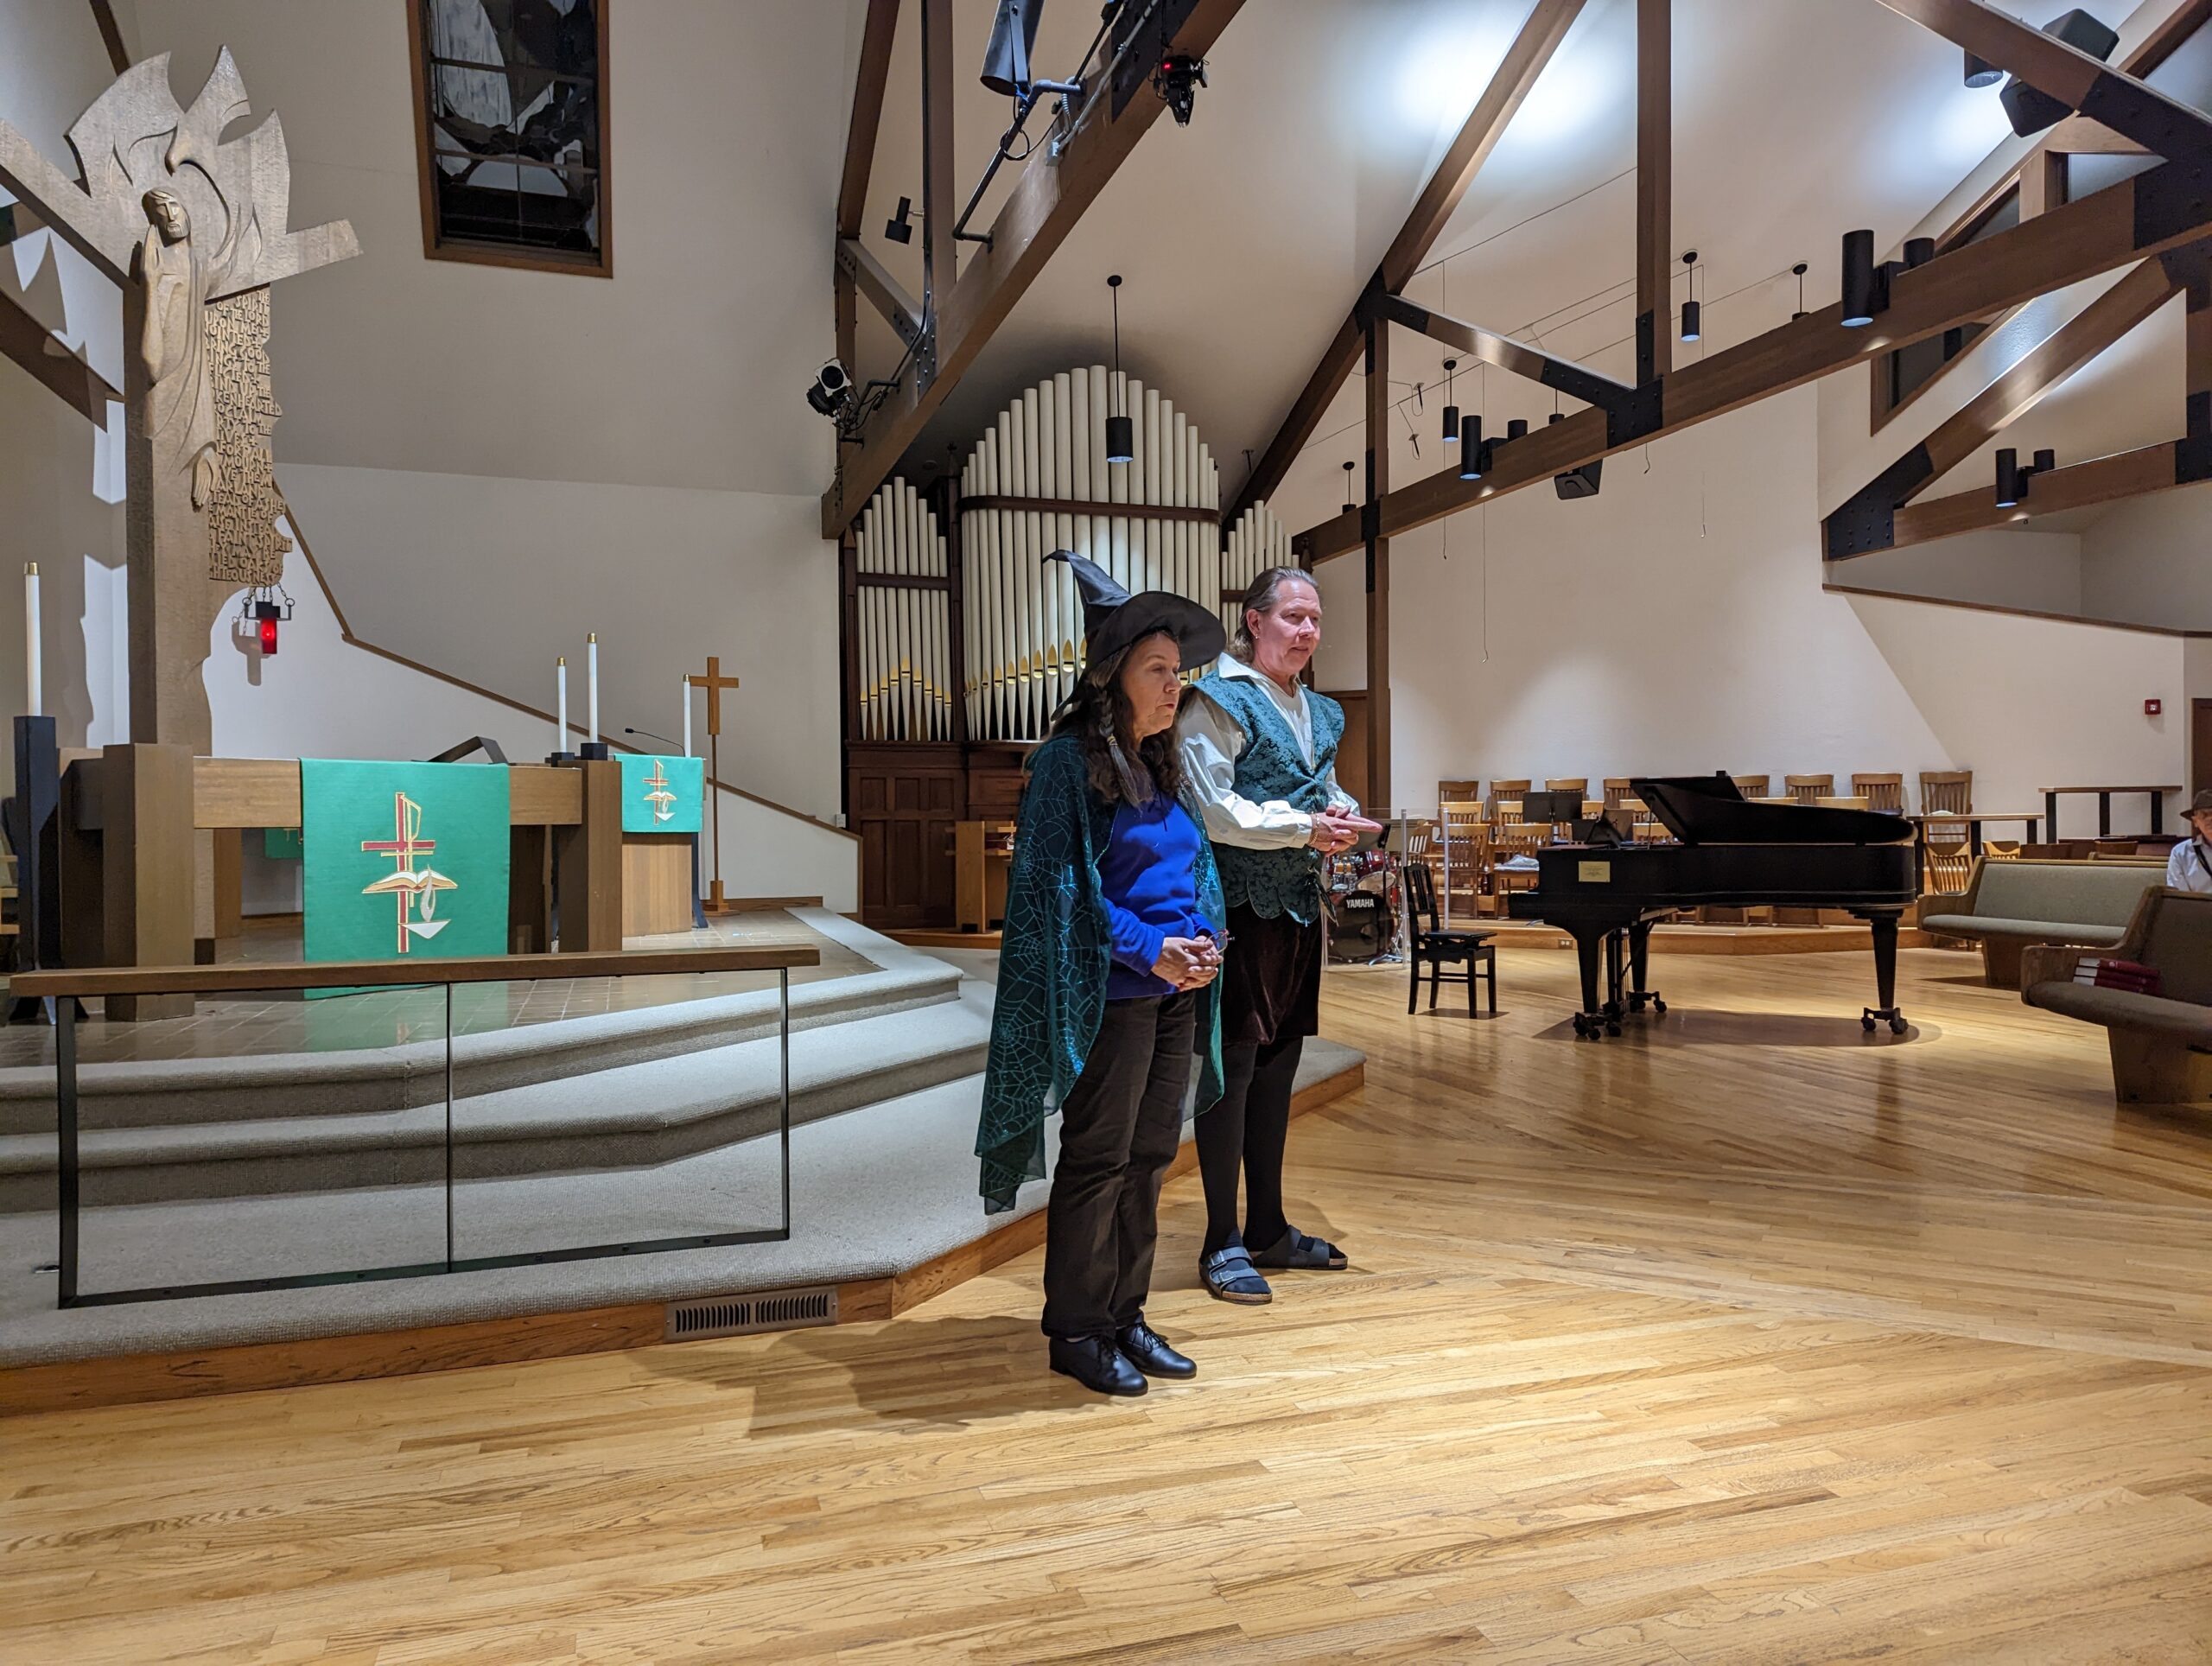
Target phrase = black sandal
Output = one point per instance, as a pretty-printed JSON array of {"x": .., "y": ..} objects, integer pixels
[
  {"x": 1295, "y": 1249},
  {"x": 1229, "y": 1276}
]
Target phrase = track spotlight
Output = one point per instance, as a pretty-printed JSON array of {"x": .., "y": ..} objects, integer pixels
[
  {"x": 1349, "y": 505},
  {"x": 2032, "y": 111},
  {"x": 1860, "y": 299},
  {"x": 1451, "y": 411},
  {"x": 1691, "y": 331},
  {"x": 1178, "y": 80},
  {"x": 832, "y": 391},
  {"x": 1918, "y": 251},
  {"x": 1121, "y": 430},
  {"x": 2046, "y": 460},
  {"x": 2011, "y": 487},
  {"x": 1517, "y": 427},
  {"x": 899, "y": 227},
  {"x": 1557, "y": 417},
  {"x": 1471, "y": 448},
  {"x": 1981, "y": 73},
  {"x": 1013, "y": 38}
]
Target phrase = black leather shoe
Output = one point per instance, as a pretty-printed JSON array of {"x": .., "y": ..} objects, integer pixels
[
  {"x": 1150, "y": 1353},
  {"x": 1096, "y": 1363}
]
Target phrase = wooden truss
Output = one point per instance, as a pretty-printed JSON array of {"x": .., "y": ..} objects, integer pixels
[{"x": 958, "y": 313}]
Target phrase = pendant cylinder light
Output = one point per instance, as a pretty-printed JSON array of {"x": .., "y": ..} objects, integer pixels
[
  {"x": 2046, "y": 460},
  {"x": 1121, "y": 431},
  {"x": 1451, "y": 411},
  {"x": 1517, "y": 427},
  {"x": 1692, "y": 323},
  {"x": 1349, "y": 505},
  {"x": 1471, "y": 447},
  {"x": 2010, "y": 486},
  {"x": 1858, "y": 278}
]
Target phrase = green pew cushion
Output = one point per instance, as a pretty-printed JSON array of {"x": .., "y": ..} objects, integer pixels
[
  {"x": 2126, "y": 1009},
  {"x": 2037, "y": 931}
]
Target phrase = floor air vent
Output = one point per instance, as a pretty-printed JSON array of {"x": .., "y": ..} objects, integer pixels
[{"x": 776, "y": 1310}]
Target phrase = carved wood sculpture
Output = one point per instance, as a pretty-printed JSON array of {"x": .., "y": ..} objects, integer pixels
[{"x": 192, "y": 228}]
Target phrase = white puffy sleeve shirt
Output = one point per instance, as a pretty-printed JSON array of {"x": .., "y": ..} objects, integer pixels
[
  {"x": 2185, "y": 867},
  {"x": 1213, "y": 741}
]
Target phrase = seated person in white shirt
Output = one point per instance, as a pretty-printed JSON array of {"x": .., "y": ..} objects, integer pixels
[{"x": 2189, "y": 867}]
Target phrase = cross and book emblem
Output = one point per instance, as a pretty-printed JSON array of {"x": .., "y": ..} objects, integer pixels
[
  {"x": 660, "y": 794},
  {"x": 413, "y": 883}
]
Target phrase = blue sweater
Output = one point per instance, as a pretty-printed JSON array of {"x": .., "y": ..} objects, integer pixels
[{"x": 1149, "y": 874}]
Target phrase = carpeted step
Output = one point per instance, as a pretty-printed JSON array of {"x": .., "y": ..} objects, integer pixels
[
  {"x": 377, "y": 1081},
  {"x": 627, "y": 1115}
]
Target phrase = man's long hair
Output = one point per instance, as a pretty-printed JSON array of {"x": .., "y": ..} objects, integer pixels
[
  {"x": 1122, "y": 769},
  {"x": 1262, "y": 596}
]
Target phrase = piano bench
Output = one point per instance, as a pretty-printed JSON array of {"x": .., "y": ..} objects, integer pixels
[{"x": 1437, "y": 949}]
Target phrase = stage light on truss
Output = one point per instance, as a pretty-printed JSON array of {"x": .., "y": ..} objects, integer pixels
[
  {"x": 899, "y": 227},
  {"x": 1013, "y": 42}
]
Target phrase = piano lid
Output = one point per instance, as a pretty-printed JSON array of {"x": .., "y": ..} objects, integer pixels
[{"x": 1708, "y": 809}]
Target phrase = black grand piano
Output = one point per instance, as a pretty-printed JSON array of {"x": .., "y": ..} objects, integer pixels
[{"x": 1733, "y": 854}]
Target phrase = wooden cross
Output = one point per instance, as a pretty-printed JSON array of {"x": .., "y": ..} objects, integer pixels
[{"x": 714, "y": 682}]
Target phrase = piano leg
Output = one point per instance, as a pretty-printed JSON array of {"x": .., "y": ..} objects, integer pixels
[
  {"x": 1639, "y": 956},
  {"x": 1589, "y": 941},
  {"x": 1885, "y": 927}
]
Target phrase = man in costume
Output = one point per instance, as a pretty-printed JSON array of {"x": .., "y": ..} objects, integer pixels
[{"x": 1260, "y": 750}]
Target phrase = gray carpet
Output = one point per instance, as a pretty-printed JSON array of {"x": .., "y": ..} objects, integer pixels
[{"x": 875, "y": 1191}]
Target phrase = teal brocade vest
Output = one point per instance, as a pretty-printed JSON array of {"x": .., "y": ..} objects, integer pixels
[{"x": 1287, "y": 881}]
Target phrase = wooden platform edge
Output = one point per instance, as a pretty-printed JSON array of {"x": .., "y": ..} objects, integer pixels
[{"x": 140, "y": 1379}]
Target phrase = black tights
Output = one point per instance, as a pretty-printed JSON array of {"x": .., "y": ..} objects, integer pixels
[{"x": 1247, "y": 1128}]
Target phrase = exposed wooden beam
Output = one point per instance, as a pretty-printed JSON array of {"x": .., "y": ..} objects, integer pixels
[
  {"x": 2121, "y": 101},
  {"x": 1378, "y": 564},
  {"x": 1043, "y": 207},
  {"x": 873, "y": 279},
  {"x": 1655, "y": 186},
  {"x": 1545, "y": 26},
  {"x": 119, "y": 55},
  {"x": 2077, "y": 135},
  {"x": 1502, "y": 351},
  {"x": 39, "y": 351},
  {"x": 876, "y": 36},
  {"x": 939, "y": 256},
  {"x": 2077, "y": 485},
  {"x": 2040, "y": 178},
  {"x": 2150, "y": 214}
]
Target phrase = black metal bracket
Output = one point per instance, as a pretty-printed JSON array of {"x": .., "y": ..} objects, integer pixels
[{"x": 1866, "y": 520}]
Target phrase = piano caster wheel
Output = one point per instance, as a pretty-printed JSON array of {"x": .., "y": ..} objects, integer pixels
[
  {"x": 1612, "y": 1028},
  {"x": 1658, "y": 1006},
  {"x": 1866, "y": 1022},
  {"x": 1898, "y": 1025}
]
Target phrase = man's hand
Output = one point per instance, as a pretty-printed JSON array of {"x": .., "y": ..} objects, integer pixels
[
  {"x": 1188, "y": 963},
  {"x": 1334, "y": 830}
]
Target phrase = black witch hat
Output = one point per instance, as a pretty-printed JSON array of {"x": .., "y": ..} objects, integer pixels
[{"x": 1113, "y": 619}]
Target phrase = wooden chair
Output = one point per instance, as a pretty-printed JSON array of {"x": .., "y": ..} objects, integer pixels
[
  {"x": 1618, "y": 787},
  {"x": 1947, "y": 792},
  {"x": 1883, "y": 792},
  {"x": 1947, "y": 869},
  {"x": 1466, "y": 855},
  {"x": 1843, "y": 804},
  {"x": 1579, "y": 784},
  {"x": 1501, "y": 791},
  {"x": 1752, "y": 787},
  {"x": 1809, "y": 789},
  {"x": 1458, "y": 792},
  {"x": 1435, "y": 948},
  {"x": 2001, "y": 849}
]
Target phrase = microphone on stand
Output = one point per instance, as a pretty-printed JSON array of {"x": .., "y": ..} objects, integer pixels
[{"x": 649, "y": 735}]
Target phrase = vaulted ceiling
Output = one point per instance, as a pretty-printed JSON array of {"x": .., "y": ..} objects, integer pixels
[{"x": 1244, "y": 237}]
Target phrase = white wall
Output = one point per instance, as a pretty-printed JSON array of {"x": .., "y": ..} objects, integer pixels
[
  {"x": 490, "y": 580},
  {"x": 2005, "y": 566},
  {"x": 322, "y": 696},
  {"x": 2150, "y": 559},
  {"x": 1676, "y": 624}
]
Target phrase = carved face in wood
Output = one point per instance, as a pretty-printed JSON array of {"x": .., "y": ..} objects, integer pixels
[{"x": 166, "y": 210}]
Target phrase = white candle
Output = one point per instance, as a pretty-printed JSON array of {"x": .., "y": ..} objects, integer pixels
[
  {"x": 687, "y": 715},
  {"x": 33, "y": 668},
  {"x": 591, "y": 677},
  {"x": 561, "y": 682}
]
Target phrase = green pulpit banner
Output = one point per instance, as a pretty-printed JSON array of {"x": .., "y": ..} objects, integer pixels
[
  {"x": 662, "y": 795},
  {"x": 280, "y": 843},
  {"x": 403, "y": 860}
]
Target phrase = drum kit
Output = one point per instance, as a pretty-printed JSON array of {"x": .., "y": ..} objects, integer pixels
[{"x": 1361, "y": 896}]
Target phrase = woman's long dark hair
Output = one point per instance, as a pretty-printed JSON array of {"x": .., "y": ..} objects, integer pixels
[{"x": 1124, "y": 770}]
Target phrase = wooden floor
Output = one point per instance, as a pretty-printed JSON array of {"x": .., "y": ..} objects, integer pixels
[{"x": 1744, "y": 1338}]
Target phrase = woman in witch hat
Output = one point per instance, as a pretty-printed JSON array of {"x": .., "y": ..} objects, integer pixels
[{"x": 1114, "y": 924}]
